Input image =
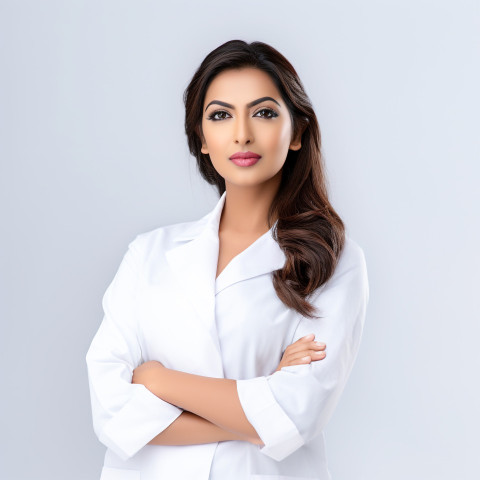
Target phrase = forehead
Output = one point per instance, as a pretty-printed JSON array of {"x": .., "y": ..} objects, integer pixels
[{"x": 240, "y": 86}]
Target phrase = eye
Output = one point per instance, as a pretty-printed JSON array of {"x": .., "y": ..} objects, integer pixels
[
  {"x": 218, "y": 115},
  {"x": 268, "y": 113},
  {"x": 213, "y": 116}
]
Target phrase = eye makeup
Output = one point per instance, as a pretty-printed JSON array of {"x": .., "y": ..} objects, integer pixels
[{"x": 270, "y": 111}]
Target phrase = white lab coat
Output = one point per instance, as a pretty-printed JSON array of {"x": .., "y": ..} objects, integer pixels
[{"x": 165, "y": 304}]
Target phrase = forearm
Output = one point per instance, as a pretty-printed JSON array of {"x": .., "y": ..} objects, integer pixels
[
  {"x": 191, "y": 429},
  {"x": 214, "y": 399}
]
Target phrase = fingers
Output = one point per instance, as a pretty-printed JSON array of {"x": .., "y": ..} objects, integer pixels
[
  {"x": 301, "y": 360},
  {"x": 310, "y": 341},
  {"x": 305, "y": 350},
  {"x": 307, "y": 356},
  {"x": 303, "y": 344},
  {"x": 304, "y": 356}
]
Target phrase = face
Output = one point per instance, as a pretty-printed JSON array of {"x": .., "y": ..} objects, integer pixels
[{"x": 243, "y": 111}]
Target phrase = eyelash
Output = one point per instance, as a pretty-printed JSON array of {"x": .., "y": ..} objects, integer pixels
[{"x": 273, "y": 112}]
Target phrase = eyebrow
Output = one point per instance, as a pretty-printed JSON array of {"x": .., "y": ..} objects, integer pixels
[{"x": 249, "y": 105}]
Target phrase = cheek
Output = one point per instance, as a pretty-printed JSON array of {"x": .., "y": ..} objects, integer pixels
[
  {"x": 278, "y": 141},
  {"x": 214, "y": 137}
]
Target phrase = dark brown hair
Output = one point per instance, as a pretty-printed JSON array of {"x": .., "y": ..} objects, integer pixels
[{"x": 308, "y": 229}]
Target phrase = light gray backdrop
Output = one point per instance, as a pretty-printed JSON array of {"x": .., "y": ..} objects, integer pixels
[{"x": 93, "y": 152}]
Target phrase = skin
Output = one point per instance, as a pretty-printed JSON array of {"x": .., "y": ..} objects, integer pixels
[
  {"x": 250, "y": 190},
  {"x": 212, "y": 409}
]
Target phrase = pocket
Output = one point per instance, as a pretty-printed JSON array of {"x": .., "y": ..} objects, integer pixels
[{"x": 112, "y": 473}]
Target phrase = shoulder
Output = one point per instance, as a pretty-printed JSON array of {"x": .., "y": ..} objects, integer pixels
[
  {"x": 159, "y": 240},
  {"x": 350, "y": 274},
  {"x": 351, "y": 256},
  {"x": 345, "y": 294},
  {"x": 351, "y": 269}
]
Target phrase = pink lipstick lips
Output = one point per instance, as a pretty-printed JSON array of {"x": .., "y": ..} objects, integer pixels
[{"x": 245, "y": 159}]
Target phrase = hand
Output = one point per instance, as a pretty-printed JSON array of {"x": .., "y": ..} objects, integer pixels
[
  {"x": 147, "y": 372},
  {"x": 303, "y": 351}
]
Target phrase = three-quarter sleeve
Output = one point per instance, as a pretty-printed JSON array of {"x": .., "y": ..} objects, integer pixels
[
  {"x": 126, "y": 416},
  {"x": 293, "y": 405}
]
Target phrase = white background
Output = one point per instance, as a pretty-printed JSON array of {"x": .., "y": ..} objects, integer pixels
[{"x": 93, "y": 152}]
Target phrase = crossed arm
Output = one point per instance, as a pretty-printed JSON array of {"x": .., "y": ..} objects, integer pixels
[
  {"x": 213, "y": 412},
  {"x": 212, "y": 409}
]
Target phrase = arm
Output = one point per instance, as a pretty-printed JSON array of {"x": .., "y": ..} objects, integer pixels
[
  {"x": 189, "y": 429},
  {"x": 292, "y": 406},
  {"x": 125, "y": 416},
  {"x": 214, "y": 399}
]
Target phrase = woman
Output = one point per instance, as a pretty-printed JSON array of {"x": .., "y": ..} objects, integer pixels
[{"x": 210, "y": 362}]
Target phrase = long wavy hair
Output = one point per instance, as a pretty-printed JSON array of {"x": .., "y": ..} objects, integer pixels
[{"x": 308, "y": 229}]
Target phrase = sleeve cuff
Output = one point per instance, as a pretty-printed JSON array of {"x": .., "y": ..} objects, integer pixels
[
  {"x": 276, "y": 430},
  {"x": 139, "y": 420}
]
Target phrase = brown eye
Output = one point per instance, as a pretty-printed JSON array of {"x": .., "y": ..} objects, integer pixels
[
  {"x": 213, "y": 116},
  {"x": 267, "y": 113}
]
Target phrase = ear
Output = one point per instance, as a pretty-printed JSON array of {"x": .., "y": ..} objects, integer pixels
[
  {"x": 204, "y": 148},
  {"x": 296, "y": 143}
]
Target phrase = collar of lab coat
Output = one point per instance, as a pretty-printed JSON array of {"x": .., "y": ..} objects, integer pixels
[{"x": 194, "y": 264}]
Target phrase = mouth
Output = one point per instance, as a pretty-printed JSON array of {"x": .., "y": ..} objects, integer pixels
[
  {"x": 245, "y": 159},
  {"x": 245, "y": 162},
  {"x": 245, "y": 155}
]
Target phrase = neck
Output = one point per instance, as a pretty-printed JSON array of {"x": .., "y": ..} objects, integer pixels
[{"x": 246, "y": 207}]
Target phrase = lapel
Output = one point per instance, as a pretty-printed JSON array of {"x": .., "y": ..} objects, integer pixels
[{"x": 194, "y": 265}]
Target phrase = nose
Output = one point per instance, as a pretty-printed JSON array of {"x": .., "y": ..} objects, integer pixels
[{"x": 243, "y": 134}]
